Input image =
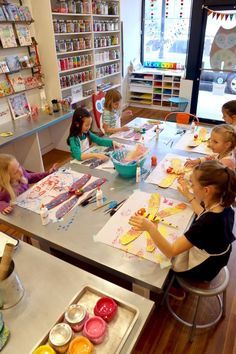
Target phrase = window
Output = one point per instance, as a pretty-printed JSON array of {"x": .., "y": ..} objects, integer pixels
[{"x": 165, "y": 32}]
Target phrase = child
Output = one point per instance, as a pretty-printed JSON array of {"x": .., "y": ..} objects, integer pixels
[
  {"x": 111, "y": 115},
  {"x": 222, "y": 143},
  {"x": 81, "y": 137},
  {"x": 229, "y": 112},
  {"x": 14, "y": 180},
  {"x": 205, "y": 247}
]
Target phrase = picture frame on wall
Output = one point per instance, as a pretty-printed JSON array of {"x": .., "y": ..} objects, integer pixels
[{"x": 19, "y": 106}]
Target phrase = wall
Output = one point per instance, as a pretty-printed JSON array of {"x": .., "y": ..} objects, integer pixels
[{"x": 131, "y": 18}]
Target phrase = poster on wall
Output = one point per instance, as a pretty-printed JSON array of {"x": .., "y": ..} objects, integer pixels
[{"x": 19, "y": 106}]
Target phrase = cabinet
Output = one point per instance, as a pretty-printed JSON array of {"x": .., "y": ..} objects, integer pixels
[
  {"x": 154, "y": 89},
  {"x": 79, "y": 45}
]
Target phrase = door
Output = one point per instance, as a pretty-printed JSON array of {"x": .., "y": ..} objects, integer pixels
[{"x": 217, "y": 82}]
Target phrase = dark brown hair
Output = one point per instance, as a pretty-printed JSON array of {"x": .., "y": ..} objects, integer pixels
[
  {"x": 79, "y": 116},
  {"x": 112, "y": 96},
  {"x": 230, "y": 107},
  {"x": 213, "y": 173}
]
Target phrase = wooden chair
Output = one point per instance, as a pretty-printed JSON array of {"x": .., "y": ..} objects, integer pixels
[
  {"x": 215, "y": 287},
  {"x": 98, "y": 100},
  {"x": 181, "y": 117}
]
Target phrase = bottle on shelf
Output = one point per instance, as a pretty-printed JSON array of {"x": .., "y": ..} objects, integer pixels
[
  {"x": 99, "y": 197},
  {"x": 44, "y": 215}
]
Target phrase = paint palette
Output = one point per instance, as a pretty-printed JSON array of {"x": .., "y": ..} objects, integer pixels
[{"x": 119, "y": 327}]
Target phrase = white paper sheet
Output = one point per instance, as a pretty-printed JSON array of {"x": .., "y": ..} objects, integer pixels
[{"x": 187, "y": 139}]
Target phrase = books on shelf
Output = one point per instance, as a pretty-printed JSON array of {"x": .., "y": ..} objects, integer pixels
[
  {"x": 24, "y": 13},
  {"x": 5, "y": 86},
  {"x": 17, "y": 82},
  {"x": 3, "y": 67},
  {"x": 13, "y": 63},
  {"x": 2, "y": 16},
  {"x": 13, "y": 12},
  {"x": 32, "y": 81},
  {"x": 7, "y": 36},
  {"x": 23, "y": 34}
]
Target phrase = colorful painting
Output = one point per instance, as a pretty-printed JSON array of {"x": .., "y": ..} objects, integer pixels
[
  {"x": 141, "y": 134},
  {"x": 166, "y": 173},
  {"x": 50, "y": 187},
  {"x": 194, "y": 142},
  {"x": 175, "y": 218}
]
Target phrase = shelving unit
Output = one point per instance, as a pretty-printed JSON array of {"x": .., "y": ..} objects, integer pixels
[
  {"x": 154, "y": 89},
  {"x": 99, "y": 50}
]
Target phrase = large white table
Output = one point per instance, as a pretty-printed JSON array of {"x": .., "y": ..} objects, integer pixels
[
  {"x": 50, "y": 284},
  {"x": 78, "y": 241}
]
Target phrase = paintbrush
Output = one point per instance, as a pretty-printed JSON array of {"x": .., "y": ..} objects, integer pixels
[
  {"x": 163, "y": 221},
  {"x": 101, "y": 206}
]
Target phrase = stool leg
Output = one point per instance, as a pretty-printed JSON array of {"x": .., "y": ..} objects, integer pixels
[
  {"x": 224, "y": 304},
  {"x": 194, "y": 320},
  {"x": 167, "y": 290}
]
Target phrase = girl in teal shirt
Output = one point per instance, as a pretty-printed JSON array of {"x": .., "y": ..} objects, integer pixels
[{"x": 80, "y": 137}]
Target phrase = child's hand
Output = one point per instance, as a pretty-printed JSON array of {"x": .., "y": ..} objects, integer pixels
[
  {"x": 191, "y": 163},
  {"x": 140, "y": 223},
  {"x": 124, "y": 129},
  {"x": 127, "y": 114},
  {"x": 183, "y": 188},
  {"x": 101, "y": 157},
  {"x": 7, "y": 210},
  {"x": 117, "y": 145},
  {"x": 54, "y": 168}
]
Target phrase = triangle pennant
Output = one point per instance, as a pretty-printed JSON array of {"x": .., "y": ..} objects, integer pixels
[
  {"x": 217, "y": 15},
  {"x": 222, "y": 16},
  {"x": 209, "y": 12},
  {"x": 231, "y": 17},
  {"x": 213, "y": 14},
  {"x": 226, "y": 17}
]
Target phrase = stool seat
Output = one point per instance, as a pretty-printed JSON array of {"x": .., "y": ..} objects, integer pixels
[
  {"x": 180, "y": 101},
  {"x": 215, "y": 287},
  {"x": 207, "y": 288}
]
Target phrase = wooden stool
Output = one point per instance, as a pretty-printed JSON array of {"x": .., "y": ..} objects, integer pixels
[{"x": 202, "y": 289}]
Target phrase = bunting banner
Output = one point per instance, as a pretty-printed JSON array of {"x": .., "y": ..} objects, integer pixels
[{"x": 220, "y": 15}]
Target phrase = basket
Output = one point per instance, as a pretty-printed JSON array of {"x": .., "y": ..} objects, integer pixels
[{"x": 125, "y": 169}]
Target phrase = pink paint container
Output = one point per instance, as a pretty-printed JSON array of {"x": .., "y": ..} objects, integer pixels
[
  {"x": 95, "y": 329},
  {"x": 76, "y": 315},
  {"x": 106, "y": 308}
]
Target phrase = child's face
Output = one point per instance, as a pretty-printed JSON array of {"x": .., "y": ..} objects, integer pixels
[
  {"x": 228, "y": 118},
  {"x": 197, "y": 188},
  {"x": 116, "y": 105},
  {"x": 217, "y": 143},
  {"x": 86, "y": 125},
  {"x": 15, "y": 171}
]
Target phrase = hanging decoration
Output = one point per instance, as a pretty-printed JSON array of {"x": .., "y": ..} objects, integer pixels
[{"x": 220, "y": 15}]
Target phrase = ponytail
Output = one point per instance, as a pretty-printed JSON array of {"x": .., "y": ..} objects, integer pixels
[{"x": 222, "y": 178}]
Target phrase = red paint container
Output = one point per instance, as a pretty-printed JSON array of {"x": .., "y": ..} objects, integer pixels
[
  {"x": 154, "y": 161},
  {"x": 95, "y": 329},
  {"x": 106, "y": 308}
]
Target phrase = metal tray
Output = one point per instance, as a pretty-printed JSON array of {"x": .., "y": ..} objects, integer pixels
[{"x": 118, "y": 329}]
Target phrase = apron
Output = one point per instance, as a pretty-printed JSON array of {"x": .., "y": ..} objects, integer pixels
[
  {"x": 195, "y": 256},
  {"x": 84, "y": 144}
]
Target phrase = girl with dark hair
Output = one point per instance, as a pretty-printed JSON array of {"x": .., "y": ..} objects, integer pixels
[
  {"x": 81, "y": 137},
  {"x": 206, "y": 246},
  {"x": 229, "y": 112}
]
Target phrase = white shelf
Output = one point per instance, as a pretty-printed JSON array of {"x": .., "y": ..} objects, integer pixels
[
  {"x": 104, "y": 77},
  {"x": 79, "y": 83},
  {"x": 107, "y": 62},
  {"x": 74, "y": 51},
  {"x": 104, "y": 32},
  {"x": 110, "y": 16},
  {"x": 75, "y": 69},
  {"x": 135, "y": 78},
  {"x": 111, "y": 46},
  {"x": 69, "y": 14},
  {"x": 112, "y": 87},
  {"x": 71, "y": 33}
]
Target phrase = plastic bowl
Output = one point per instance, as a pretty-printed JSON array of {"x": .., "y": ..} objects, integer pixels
[
  {"x": 44, "y": 349},
  {"x": 105, "y": 308},
  {"x": 80, "y": 345},
  {"x": 95, "y": 329},
  {"x": 126, "y": 170}
]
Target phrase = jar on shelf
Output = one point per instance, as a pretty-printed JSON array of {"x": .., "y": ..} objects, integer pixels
[
  {"x": 75, "y": 64},
  {"x": 62, "y": 25},
  {"x": 56, "y": 26},
  {"x": 88, "y": 42},
  {"x": 76, "y": 26},
  {"x": 63, "y": 7},
  {"x": 86, "y": 9},
  {"x": 71, "y": 6},
  {"x": 62, "y": 46},
  {"x": 90, "y": 75},
  {"x": 112, "y": 26},
  {"x": 82, "y": 61},
  {"x": 82, "y": 26},
  {"x": 69, "y": 26},
  {"x": 79, "y": 6},
  {"x": 87, "y": 26},
  {"x": 69, "y": 45},
  {"x": 76, "y": 44},
  {"x": 90, "y": 59},
  {"x": 116, "y": 25}
]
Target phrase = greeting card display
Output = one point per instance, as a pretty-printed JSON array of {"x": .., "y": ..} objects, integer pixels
[
  {"x": 5, "y": 86},
  {"x": 13, "y": 63},
  {"x": 13, "y": 12},
  {"x": 19, "y": 106},
  {"x": 5, "y": 114},
  {"x": 23, "y": 34},
  {"x": 2, "y": 16},
  {"x": 7, "y": 36},
  {"x": 17, "y": 82},
  {"x": 3, "y": 67}
]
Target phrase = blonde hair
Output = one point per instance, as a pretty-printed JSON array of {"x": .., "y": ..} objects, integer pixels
[
  {"x": 112, "y": 96},
  {"x": 5, "y": 181},
  {"x": 228, "y": 134}
]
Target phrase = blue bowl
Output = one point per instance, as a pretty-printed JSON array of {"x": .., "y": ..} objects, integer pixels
[{"x": 126, "y": 170}]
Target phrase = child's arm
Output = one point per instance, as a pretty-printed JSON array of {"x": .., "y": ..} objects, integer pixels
[
  {"x": 170, "y": 250},
  {"x": 195, "y": 162},
  {"x": 109, "y": 119},
  {"x": 109, "y": 130},
  {"x": 34, "y": 177},
  {"x": 5, "y": 207},
  {"x": 183, "y": 188},
  {"x": 80, "y": 156},
  {"x": 100, "y": 141}
]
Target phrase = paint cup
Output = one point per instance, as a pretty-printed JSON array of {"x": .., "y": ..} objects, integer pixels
[
  {"x": 11, "y": 289},
  {"x": 154, "y": 161}
]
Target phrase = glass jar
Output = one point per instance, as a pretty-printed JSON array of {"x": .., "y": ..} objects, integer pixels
[
  {"x": 69, "y": 45},
  {"x": 62, "y": 25},
  {"x": 76, "y": 44},
  {"x": 76, "y": 26},
  {"x": 79, "y": 7},
  {"x": 69, "y": 26},
  {"x": 63, "y": 7},
  {"x": 82, "y": 60},
  {"x": 61, "y": 46},
  {"x": 87, "y": 26},
  {"x": 86, "y": 9},
  {"x": 56, "y": 26},
  {"x": 82, "y": 26},
  {"x": 71, "y": 6},
  {"x": 116, "y": 25},
  {"x": 60, "y": 336}
]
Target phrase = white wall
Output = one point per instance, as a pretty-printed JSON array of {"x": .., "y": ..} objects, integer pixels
[{"x": 131, "y": 18}]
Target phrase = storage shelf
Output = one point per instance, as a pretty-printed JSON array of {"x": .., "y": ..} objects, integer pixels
[
  {"x": 104, "y": 32},
  {"x": 71, "y": 33},
  {"x": 140, "y": 79},
  {"x": 79, "y": 83},
  {"x": 107, "y": 62},
  {"x": 17, "y": 22},
  {"x": 110, "y": 46},
  {"x": 75, "y": 69},
  {"x": 74, "y": 51},
  {"x": 69, "y": 14},
  {"x": 104, "y": 77},
  {"x": 110, "y": 16},
  {"x": 16, "y": 93}
]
